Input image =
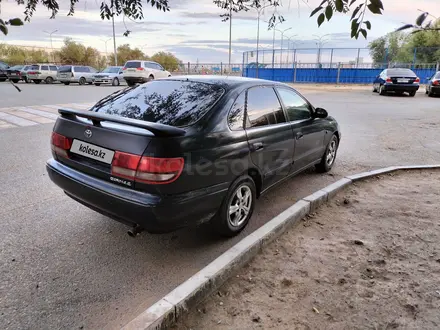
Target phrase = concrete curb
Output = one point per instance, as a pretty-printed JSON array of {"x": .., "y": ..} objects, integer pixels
[{"x": 167, "y": 310}]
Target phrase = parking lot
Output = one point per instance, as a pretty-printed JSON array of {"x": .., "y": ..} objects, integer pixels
[{"x": 65, "y": 266}]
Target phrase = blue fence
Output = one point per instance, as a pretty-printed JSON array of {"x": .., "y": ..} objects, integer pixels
[{"x": 326, "y": 75}]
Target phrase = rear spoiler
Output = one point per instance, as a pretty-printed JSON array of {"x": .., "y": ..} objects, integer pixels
[{"x": 157, "y": 129}]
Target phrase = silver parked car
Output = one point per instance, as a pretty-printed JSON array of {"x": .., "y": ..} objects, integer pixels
[
  {"x": 110, "y": 75},
  {"x": 79, "y": 74},
  {"x": 42, "y": 72}
]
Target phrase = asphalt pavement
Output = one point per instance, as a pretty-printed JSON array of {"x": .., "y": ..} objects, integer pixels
[{"x": 65, "y": 266}]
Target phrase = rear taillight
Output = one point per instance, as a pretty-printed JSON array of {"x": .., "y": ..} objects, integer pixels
[
  {"x": 145, "y": 169},
  {"x": 124, "y": 68},
  {"x": 436, "y": 83},
  {"x": 389, "y": 80},
  {"x": 140, "y": 69},
  {"x": 417, "y": 80},
  {"x": 60, "y": 144},
  {"x": 125, "y": 165}
]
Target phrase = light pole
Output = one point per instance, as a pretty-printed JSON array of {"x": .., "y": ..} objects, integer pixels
[
  {"x": 230, "y": 34},
  {"x": 114, "y": 38},
  {"x": 105, "y": 42},
  {"x": 288, "y": 46},
  {"x": 51, "y": 44},
  {"x": 273, "y": 42},
  {"x": 282, "y": 37},
  {"x": 259, "y": 11},
  {"x": 319, "y": 43}
]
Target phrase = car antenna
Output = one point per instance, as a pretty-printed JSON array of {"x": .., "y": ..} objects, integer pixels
[{"x": 14, "y": 85}]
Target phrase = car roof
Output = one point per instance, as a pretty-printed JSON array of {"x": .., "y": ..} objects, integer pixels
[{"x": 229, "y": 81}]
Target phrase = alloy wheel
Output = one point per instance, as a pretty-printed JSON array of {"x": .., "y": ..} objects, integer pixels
[
  {"x": 331, "y": 153},
  {"x": 240, "y": 205}
]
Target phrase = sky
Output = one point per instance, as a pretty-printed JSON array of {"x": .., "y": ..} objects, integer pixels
[{"x": 193, "y": 29}]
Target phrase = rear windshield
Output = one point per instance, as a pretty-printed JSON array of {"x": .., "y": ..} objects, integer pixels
[
  {"x": 35, "y": 67},
  {"x": 67, "y": 68},
  {"x": 169, "y": 102},
  {"x": 437, "y": 76},
  {"x": 111, "y": 70},
  {"x": 400, "y": 72},
  {"x": 133, "y": 64},
  {"x": 16, "y": 67}
]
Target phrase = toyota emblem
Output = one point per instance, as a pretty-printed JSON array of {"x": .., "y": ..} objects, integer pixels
[{"x": 88, "y": 133}]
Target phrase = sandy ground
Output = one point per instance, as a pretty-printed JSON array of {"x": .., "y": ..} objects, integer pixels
[{"x": 370, "y": 259}]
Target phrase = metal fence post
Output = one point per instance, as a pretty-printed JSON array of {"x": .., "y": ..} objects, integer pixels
[
  {"x": 221, "y": 68},
  {"x": 189, "y": 65},
  {"x": 339, "y": 73},
  {"x": 357, "y": 59},
  {"x": 437, "y": 67},
  {"x": 331, "y": 58},
  {"x": 294, "y": 72}
]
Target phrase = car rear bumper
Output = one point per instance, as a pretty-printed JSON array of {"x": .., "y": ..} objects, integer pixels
[
  {"x": 401, "y": 87},
  {"x": 136, "y": 79},
  {"x": 435, "y": 89},
  {"x": 154, "y": 213}
]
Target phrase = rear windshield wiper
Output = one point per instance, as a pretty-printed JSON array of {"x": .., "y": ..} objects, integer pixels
[{"x": 112, "y": 97}]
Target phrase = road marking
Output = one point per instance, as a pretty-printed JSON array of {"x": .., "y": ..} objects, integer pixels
[
  {"x": 34, "y": 115},
  {"x": 16, "y": 120},
  {"x": 4, "y": 124},
  {"x": 40, "y": 113}
]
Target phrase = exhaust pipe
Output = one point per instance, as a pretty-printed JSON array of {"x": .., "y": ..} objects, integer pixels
[{"x": 136, "y": 230}]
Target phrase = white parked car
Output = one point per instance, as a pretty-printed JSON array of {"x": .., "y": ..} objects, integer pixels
[
  {"x": 110, "y": 75},
  {"x": 138, "y": 71}
]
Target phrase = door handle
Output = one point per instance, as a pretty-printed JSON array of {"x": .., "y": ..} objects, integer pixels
[
  {"x": 299, "y": 135},
  {"x": 258, "y": 146}
]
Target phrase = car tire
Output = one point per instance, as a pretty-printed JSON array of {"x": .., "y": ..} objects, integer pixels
[
  {"x": 27, "y": 81},
  {"x": 430, "y": 94},
  {"x": 412, "y": 94},
  {"x": 2, "y": 80},
  {"x": 329, "y": 157},
  {"x": 82, "y": 81},
  {"x": 115, "y": 82},
  {"x": 130, "y": 83},
  {"x": 374, "y": 89},
  {"x": 14, "y": 80},
  {"x": 151, "y": 77},
  {"x": 67, "y": 83},
  {"x": 97, "y": 84},
  {"x": 37, "y": 81},
  {"x": 426, "y": 91},
  {"x": 49, "y": 80},
  {"x": 227, "y": 224},
  {"x": 382, "y": 90}
]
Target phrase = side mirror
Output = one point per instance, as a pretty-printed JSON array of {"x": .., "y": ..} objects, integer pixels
[{"x": 321, "y": 113}]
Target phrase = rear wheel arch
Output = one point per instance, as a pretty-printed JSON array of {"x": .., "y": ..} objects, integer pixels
[{"x": 256, "y": 176}]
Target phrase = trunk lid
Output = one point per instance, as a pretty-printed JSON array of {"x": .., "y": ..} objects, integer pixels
[{"x": 95, "y": 138}]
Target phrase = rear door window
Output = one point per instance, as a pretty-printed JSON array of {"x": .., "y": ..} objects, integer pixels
[
  {"x": 35, "y": 67},
  {"x": 65, "y": 69},
  {"x": 236, "y": 115},
  {"x": 133, "y": 65},
  {"x": 53, "y": 68},
  {"x": 44, "y": 68},
  {"x": 262, "y": 104},
  {"x": 175, "y": 103},
  {"x": 296, "y": 107}
]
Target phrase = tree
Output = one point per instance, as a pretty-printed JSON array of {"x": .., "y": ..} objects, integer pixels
[
  {"x": 14, "y": 55},
  {"x": 75, "y": 53},
  {"x": 388, "y": 48},
  {"x": 167, "y": 60},
  {"x": 126, "y": 53}
]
